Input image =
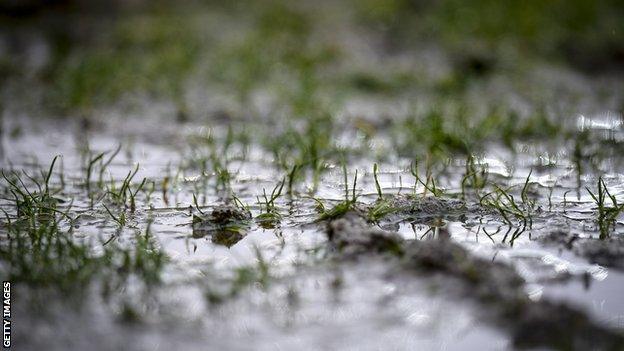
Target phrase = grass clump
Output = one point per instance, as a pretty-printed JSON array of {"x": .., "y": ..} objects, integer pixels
[
  {"x": 429, "y": 184},
  {"x": 39, "y": 247},
  {"x": 32, "y": 207},
  {"x": 125, "y": 196},
  {"x": 270, "y": 216},
  {"x": 475, "y": 177},
  {"x": 210, "y": 154},
  {"x": 382, "y": 207},
  {"x": 509, "y": 208},
  {"x": 607, "y": 214},
  {"x": 341, "y": 208}
]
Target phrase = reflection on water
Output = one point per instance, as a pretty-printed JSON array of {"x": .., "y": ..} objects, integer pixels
[{"x": 326, "y": 307}]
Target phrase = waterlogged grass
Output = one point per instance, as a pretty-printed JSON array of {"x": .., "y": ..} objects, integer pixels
[
  {"x": 526, "y": 28},
  {"x": 142, "y": 54},
  {"x": 342, "y": 207},
  {"x": 264, "y": 104},
  {"x": 382, "y": 207},
  {"x": 607, "y": 214},
  {"x": 40, "y": 247},
  {"x": 508, "y": 207},
  {"x": 270, "y": 216}
]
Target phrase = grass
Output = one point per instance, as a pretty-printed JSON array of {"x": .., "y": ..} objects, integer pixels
[
  {"x": 96, "y": 162},
  {"x": 292, "y": 178},
  {"x": 429, "y": 184},
  {"x": 341, "y": 208},
  {"x": 509, "y": 208},
  {"x": 125, "y": 196},
  {"x": 42, "y": 251},
  {"x": 141, "y": 53},
  {"x": 377, "y": 186},
  {"x": 210, "y": 154},
  {"x": 379, "y": 210},
  {"x": 607, "y": 214},
  {"x": 304, "y": 148},
  {"x": 269, "y": 216},
  {"x": 89, "y": 172},
  {"x": 32, "y": 207},
  {"x": 119, "y": 219},
  {"x": 382, "y": 207},
  {"x": 474, "y": 177}
]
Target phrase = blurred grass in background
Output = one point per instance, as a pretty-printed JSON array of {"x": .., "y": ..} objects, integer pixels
[{"x": 83, "y": 54}]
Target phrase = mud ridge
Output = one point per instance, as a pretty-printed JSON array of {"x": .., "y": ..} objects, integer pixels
[{"x": 496, "y": 287}]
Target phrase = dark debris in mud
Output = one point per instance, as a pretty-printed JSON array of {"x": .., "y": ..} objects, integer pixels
[{"x": 226, "y": 225}]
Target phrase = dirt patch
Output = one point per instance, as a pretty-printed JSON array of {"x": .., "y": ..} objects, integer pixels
[
  {"x": 494, "y": 286},
  {"x": 608, "y": 252},
  {"x": 226, "y": 225},
  {"x": 427, "y": 209},
  {"x": 351, "y": 236}
]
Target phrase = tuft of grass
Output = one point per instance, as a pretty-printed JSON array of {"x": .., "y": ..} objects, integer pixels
[
  {"x": 305, "y": 148},
  {"x": 120, "y": 196},
  {"x": 341, "y": 208},
  {"x": 506, "y": 205},
  {"x": 607, "y": 214},
  {"x": 210, "y": 154},
  {"x": 92, "y": 163},
  {"x": 474, "y": 177},
  {"x": 124, "y": 197},
  {"x": 119, "y": 219},
  {"x": 429, "y": 184},
  {"x": 270, "y": 216},
  {"x": 382, "y": 207},
  {"x": 41, "y": 250},
  {"x": 32, "y": 206}
]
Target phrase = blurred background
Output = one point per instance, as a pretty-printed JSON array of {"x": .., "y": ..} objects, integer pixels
[{"x": 69, "y": 58}]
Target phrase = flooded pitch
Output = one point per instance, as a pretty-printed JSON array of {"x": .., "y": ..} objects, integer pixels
[{"x": 338, "y": 187}]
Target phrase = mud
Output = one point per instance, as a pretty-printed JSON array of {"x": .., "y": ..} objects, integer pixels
[
  {"x": 430, "y": 208},
  {"x": 494, "y": 286},
  {"x": 226, "y": 225},
  {"x": 607, "y": 252},
  {"x": 351, "y": 236}
]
